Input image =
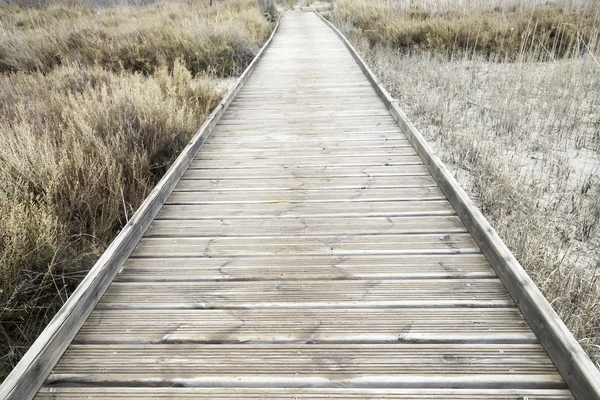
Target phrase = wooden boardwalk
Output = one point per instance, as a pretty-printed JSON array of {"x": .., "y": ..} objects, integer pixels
[{"x": 307, "y": 253}]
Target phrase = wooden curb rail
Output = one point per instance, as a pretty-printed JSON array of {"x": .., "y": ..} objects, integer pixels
[
  {"x": 570, "y": 359},
  {"x": 26, "y": 378}
]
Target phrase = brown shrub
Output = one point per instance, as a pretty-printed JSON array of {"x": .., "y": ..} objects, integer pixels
[{"x": 80, "y": 148}]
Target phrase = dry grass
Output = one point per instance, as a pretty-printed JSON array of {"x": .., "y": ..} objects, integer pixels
[
  {"x": 91, "y": 115},
  {"x": 222, "y": 39},
  {"x": 508, "y": 31},
  {"x": 523, "y": 138}
]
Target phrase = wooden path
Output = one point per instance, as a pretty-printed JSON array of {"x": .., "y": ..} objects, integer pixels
[{"x": 307, "y": 253}]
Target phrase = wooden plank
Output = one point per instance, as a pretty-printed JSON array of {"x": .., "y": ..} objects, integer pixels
[
  {"x": 294, "y": 267},
  {"x": 282, "y": 96},
  {"x": 300, "y": 294},
  {"x": 308, "y": 172},
  {"x": 26, "y": 378},
  {"x": 305, "y": 226},
  {"x": 295, "y": 156},
  {"x": 336, "y": 130},
  {"x": 571, "y": 360},
  {"x": 301, "y": 152},
  {"x": 313, "y": 145},
  {"x": 327, "y": 105},
  {"x": 355, "y": 138},
  {"x": 353, "y": 182},
  {"x": 306, "y": 196},
  {"x": 315, "y": 128},
  {"x": 317, "y": 365},
  {"x": 450, "y": 243},
  {"x": 126, "y": 393},
  {"x": 309, "y": 162},
  {"x": 253, "y": 137},
  {"x": 446, "y": 325},
  {"x": 307, "y": 115},
  {"x": 347, "y": 109},
  {"x": 285, "y": 209}
]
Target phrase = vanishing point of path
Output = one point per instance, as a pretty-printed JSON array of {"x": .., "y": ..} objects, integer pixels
[{"x": 306, "y": 254}]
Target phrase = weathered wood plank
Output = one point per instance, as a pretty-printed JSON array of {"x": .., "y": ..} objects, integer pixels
[
  {"x": 317, "y": 365},
  {"x": 285, "y": 209},
  {"x": 483, "y": 325},
  {"x": 300, "y": 153},
  {"x": 275, "y": 172},
  {"x": 449, "y": 243},
  {"x": 349, "y": 135},
  {"x": 295, "y": 267},
  {"x": 309, "y": 162},
  {"x": 355, "y": 145},
  {"x": 354, "y": 182},
  {"x": 352, "y": 142},
  {"x": 305, "y": 226},
  {"x": 127, "y": 393},
  {"x": 306, "y": 196},
  {"x": 300, "y": 294},
  {"x": 316, "y": 128}
]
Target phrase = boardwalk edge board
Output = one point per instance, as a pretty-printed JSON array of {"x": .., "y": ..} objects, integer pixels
[
  {"x": 570, "y": 359},
  {"x": 28, "y": 376}
]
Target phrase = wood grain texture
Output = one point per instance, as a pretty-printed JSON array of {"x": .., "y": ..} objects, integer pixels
[
  {"x": 283, "y": 183},
  {"x": 317, "y": 365},
  {"x": 284, "y": 209},
  {"x": 316, "y": 161},
  {"x": 451, "y": 243},
  {"x": 296, "y": 267},
  {"x": 126, "y": 393},
  {"x": 315, "y": 226},
  {"x": 306, "y": 196},
  {"x": 295, "y": 172},
  {"x": 448, "y": 325},
  {"x": 307, "y": 252},
  {"x": 306, "y": 294}
]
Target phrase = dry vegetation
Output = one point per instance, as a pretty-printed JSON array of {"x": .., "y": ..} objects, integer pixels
[
  {"x": 509, "y": 94},
  {"x": 506, "y": 31},
  {"x": 132, "y": 39},
  {"x": 94, "y": 105}
]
